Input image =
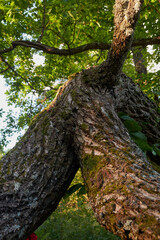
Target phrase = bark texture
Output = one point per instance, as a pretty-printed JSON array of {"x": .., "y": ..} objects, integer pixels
[
  {"x": 139, "y": 61},
  {"x": 122, "y": 186},
  {"x": 81, "y": 126},
  {"x": 126, "y": 14},
  {"x": 36, "y": 173},
  {"x": 130, "y": 99}
]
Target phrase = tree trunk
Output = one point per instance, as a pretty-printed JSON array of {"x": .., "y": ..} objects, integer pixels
[
  {"x": 139, "y": 61},
  {"x": 150, "y": 129},
  {"x": 122, "y": 186},
  {"x": 81, "y": 125},
  {"x": 37, "y": 171}
]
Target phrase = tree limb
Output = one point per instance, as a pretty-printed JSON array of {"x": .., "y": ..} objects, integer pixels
[
  {"x": 4, "y": 70},
  {"x": 17, "y": 74},
  {"x": 43, "y": 23},
  {"x": 86, "y": 47},
  {"x": 126, "y": 14}
]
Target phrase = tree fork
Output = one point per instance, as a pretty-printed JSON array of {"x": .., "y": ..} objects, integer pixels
[{"x": 81, "y": 125}]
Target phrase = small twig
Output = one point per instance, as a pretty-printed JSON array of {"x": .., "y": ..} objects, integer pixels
[
  {"x": 17, "y": 74},
  {"x": 149, "y": 5},
  {"x": 154, "y": 8},
  {"x": 61, "y": 37},
  {"x": 43, "y": 23},
  {"x": 4, "y": 70},
  {"x": 99, "y": 57},
  {"x": 7, "y": 49}
]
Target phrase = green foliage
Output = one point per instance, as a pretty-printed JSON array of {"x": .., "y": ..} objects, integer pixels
[
  {"x": 74, "y": 189},
  {"x": 1, "y": 155},
  {"x": 150, "y": 85},
  {"x": 73, "y": 220},
  {"x": 139, "y": 138}
]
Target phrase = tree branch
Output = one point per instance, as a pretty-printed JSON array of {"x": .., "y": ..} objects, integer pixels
[
  {"x": 149, "y": 5},
  {"x": 4, "y": 70},
  {"x": 17, "y": 74},
  {"x": 43, "y": 23},
  {"x": 126, "y": 14},
  {"x": 86, "y": 47},
  {"x": 145, "y": 42}
]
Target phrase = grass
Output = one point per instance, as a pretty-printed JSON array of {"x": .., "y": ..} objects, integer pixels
[{"x": 73, "y": 220}]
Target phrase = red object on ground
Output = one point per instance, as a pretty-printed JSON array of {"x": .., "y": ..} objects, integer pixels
[{"x": 32, "y": 237}]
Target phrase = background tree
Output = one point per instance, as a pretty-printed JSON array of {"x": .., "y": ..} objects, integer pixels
[{"x": 81, "y": 127}]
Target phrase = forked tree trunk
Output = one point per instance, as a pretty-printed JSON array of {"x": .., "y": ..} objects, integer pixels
[{"x": 81, "y": 126}]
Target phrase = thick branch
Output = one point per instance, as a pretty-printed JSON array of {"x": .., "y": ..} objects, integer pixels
[
  {"x": 72, "y": 51},
  {"x": 126, "y": 14},
  {"x": 56, "y": 51},
  {"x": 139, "y": 61}
]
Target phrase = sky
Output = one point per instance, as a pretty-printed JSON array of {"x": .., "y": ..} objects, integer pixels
[{"x": 3, "y": 103}]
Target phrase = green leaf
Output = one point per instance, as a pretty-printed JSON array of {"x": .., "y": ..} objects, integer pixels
[
  {"x": 1, "y": 112},
  {"x": 45, "y": 236},
  {"x": 132, "y": 126},
  {"x": 82, "y": 191},
  {"x": 154, "y": 153},
  {"x": 156, "y": 150},
  {"x": 130, "y": 123},
  {"x": 72, "y": 190},
  {"x": 138, "y": 135},
  {"x": 126, "y": 117},
  {"x": 143, "y": 145}
]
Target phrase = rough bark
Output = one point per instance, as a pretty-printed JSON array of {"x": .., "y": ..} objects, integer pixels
[
  {"x": 139, "y": 61},
  {"x": 36, "y": 173},
  {"x": 130, "y": 99},
  {"x": 141, "y": 70},
  {"x": 81, "y": 125},
  {"x": 126, "y": 14},
  {"x": 123, "y": 187}
]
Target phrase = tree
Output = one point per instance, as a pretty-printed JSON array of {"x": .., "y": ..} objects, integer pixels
[{"x": 89, "y": 125}]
